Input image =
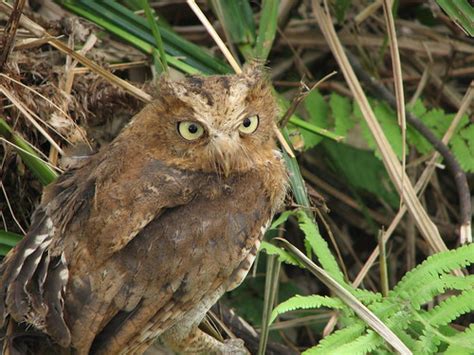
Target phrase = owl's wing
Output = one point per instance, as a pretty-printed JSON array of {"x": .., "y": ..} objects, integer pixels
[
  {"x": 85, "y": 217},
  {"x": 184, "y": 260}
]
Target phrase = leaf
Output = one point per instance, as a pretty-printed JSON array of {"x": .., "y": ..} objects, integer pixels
[
  {"x": 336, "y": 339},
  {"x": 267, "y": 29},
  {"x": 30, "y": 158},
  {"x": 451, "y": 309},
  {"x": 237, "y": 17},
  {"x": 9, "y": 238},
  {"x": 418, "y": 109},
  {"x": 348, "y": 163},
  {"x": 461, "y": 12},
  {"x": 340, "y": 8},
  {"x": 462, "y": 146},
  {"x": 434, "y": 265},
  {"x": 283, "y": 255},
  {"x": 305, "y": 302},
  {"x": 362, "y": 345},
  {"x": 7, "y": 241},
  {"x": 388, "y": 121},
  {"x": 319, "y": 246},
  {"x": 318, "y": 110},
  {"x": 281, "y": 219},
  {"x": 437, "y": 120},
  {"x": 341, "y": 110},
  {"x": 462, "y": 343}
]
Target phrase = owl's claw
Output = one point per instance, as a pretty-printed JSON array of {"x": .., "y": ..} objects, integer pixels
[{"x": 235, "y": 347}]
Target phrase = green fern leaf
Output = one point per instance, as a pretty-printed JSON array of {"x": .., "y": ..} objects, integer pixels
[
  {"x": 281, "y": 219},
  {"x": 283, "y": 255},
  {"x": 462, "y": 343},
  {"x": 318, "y": 110},
  {"x": 428, "y": 344},
  {"x": 437, "y": 120},
  {"x": 418, "y": 109},
  {"x": 305, "y": 302},
  {"x": 455, "y": 349},
  {"x": 462, "y": 146},
  {"x": 319, "y": 246},
  {"x": 367, "y": 297},
  {"x": 361, "y": 345},
  {"x": 341, "y": 111},
  {"x": 388, "y": 121},
  {"x": 451, "y": 309},
  {"x": 436, "y": 285},
  {"x": 347, "y": 162},
  {"x": 433, "y": 266},
  {"x": 337, "y": 339}
]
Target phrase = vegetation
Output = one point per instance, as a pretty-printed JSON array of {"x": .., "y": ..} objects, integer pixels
[{"x": 350, "y": 149}]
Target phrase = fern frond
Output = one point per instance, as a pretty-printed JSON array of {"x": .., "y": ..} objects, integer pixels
[
  {"x": 361, "y": 345},
  {"x": 427, "y": 344},
  {"x": 432, "y": 267},
  {"x": 305, "y": 302},
  {"x": 451, "y": 309},
  {"x": 283, "y": 255},
  {"x": 462, "y": 343},
  {"x": 367, "y": 297},
  {"x": 320, "y": 247},
  {"x": 341, "y": 108},
  {"x": 337, "y": 339},
  {"x": 281, "y": 219},
  {"x": 455, "y": 349},
  {"x": 438, "y": 285}
]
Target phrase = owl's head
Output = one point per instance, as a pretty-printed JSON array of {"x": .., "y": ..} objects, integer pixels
[{"x": 220, "y": 124}]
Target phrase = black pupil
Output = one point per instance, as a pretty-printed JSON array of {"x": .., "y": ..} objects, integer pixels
[
  {"x": 192, "y": 128},
  {"x": 247, "y": 122}
]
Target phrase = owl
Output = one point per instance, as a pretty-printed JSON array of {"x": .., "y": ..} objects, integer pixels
[{"x": 142, "y": 238}]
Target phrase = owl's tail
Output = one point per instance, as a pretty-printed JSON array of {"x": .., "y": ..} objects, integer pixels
[
  {"x": 31, "y": 286},
  {"x": 21, "y": 339}
]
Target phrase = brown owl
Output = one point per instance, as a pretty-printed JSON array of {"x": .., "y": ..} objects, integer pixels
[{"x": 147, "y": 234}]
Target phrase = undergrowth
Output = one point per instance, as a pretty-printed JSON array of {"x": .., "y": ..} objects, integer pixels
[{"x": 405, "y": 310}]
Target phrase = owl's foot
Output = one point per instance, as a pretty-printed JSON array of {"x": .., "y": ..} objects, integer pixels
[
  {"x": 198, "y": 342},
  {"x": 235, "y": 347}
]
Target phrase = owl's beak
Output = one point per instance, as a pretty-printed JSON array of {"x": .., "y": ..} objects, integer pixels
[{"x": 224, "y": 149}]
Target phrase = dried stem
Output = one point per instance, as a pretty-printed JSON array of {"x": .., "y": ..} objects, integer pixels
[
  {"x": 452, "y": 164},
  {"x": 10, "y": 31}
]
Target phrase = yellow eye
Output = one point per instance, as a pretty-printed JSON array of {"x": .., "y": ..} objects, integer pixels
[
  {"x": 249, "y": 124},
  {"x": 190, "y": 130}
]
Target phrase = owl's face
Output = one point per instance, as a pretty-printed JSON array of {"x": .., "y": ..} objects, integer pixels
[{"x": 221, "y": 124}]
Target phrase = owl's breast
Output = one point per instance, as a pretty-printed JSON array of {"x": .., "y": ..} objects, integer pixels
[{"x": 209, "y": 236}]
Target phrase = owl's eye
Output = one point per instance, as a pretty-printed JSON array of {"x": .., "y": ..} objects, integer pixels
[
  {"x": 190, "y": 130},
  {"x": 249, "y": 124}
]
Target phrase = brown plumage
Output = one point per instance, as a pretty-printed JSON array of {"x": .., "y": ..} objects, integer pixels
[{"x": 144, "y": 237}]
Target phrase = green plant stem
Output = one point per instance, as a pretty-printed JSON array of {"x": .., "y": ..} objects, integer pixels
[{"x": 271, "y": 287}]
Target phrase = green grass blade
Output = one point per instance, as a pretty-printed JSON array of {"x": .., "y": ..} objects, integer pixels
[
  {"x": 296, "y": 179},
  {"x": 267, "y": 29},
  {"x": 39, "y": 168},
  {"x": 132, "y": 39},
  {"x": 129, "y": 26},
  {"x": 461, "y": 12},
  {"x": 9, "y": 239},
  {"x": 237, "y": 21},
  {"x": 271, "y": 288},
  {"x": 156, "y": 33}
]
